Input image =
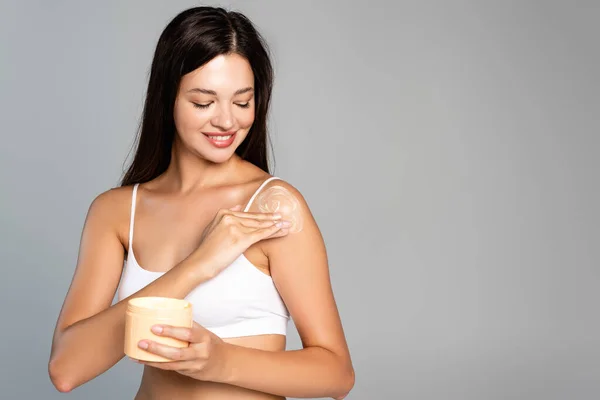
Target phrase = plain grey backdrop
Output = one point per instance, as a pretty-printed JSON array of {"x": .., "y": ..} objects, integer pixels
[{"x": 448, "y": 149}]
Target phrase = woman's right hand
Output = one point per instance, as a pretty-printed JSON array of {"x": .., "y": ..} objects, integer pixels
[{"x": 231, "y": 233}]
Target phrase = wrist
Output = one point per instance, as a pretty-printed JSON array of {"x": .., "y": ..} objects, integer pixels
[
  {"x": 196, "y": 269},
  {"x": 224, "y": 371}
]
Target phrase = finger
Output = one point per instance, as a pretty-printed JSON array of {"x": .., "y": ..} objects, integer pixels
[
  {"x": 249, "y": 226},
  {"x": 192, "y": 335},
  {"x": 277, "y": 230},
  {"x": 167, "y": 366},
  {"x": 280, "y": 233},
  {"x": 258, "y": 216},
  {"x": 170, "y": 365},
  {"x": 256, "y": 224},
  {"x": 172, "y": 353}
]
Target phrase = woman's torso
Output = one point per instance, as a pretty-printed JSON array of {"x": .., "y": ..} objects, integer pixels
[
  {"x": 165, "y": 385},
  {"x": 167, "y": 230}
]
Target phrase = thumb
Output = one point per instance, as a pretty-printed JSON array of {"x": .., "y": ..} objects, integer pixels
[
  {"x": 201, "y": 334},
  {"x": 198, "y": 332},
  {"x": 198, "y": 326}
]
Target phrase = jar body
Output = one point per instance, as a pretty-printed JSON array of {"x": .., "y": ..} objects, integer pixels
[{"x": 144, "y": 312}]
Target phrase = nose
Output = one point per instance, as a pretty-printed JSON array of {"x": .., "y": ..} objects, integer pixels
[{"x": 223, "y": 118}]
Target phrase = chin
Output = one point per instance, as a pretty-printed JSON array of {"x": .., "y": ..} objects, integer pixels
[
  {"x": 217, "y": 156},
  {"x": 212, "y": 153}
]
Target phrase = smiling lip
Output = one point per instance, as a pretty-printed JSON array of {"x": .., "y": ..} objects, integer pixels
[{"x": 220, "y": 139}]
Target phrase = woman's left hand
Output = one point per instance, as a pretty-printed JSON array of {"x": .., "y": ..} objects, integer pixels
[{"x": 202, "y": 359}]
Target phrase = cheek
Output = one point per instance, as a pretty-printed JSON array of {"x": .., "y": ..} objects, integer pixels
[
  {"x": 186, "y": 114},
  {"x": 181, "y": 118},
  {"x": 245, "y": 119},
  {"x": 187, "y": 118}
]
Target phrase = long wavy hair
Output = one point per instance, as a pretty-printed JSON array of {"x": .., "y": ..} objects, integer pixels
[{"x": 193, "y": 38}]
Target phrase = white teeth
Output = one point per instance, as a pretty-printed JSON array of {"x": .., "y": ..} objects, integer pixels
[{"x": 221, "y": 137}]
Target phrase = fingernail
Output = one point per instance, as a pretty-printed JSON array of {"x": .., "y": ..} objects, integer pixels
[
  {"x": 287, "y": 223},
  {"x": 143, "y": 345},
  {"x": 157, "y": 329}
]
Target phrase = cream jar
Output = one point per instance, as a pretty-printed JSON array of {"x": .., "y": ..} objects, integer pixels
[{"x": 144, "y": 312}]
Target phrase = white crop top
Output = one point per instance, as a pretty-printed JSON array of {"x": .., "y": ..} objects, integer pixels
[{"x": 239, "y": 301}]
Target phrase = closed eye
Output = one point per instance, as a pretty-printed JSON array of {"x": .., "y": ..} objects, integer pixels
[{"x": 203, "y": 106}]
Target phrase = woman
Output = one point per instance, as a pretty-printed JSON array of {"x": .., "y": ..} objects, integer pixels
[{"x": 199, "y": 198}]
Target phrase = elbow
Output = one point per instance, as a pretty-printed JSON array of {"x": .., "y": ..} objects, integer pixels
[
  {"x": 57, "y": 378},
  {"x": 351, "y": 381},
  {"x": 346, "y": 384}
]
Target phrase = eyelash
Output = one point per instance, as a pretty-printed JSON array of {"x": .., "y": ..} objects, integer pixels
[{"x": 203, "y": 106}]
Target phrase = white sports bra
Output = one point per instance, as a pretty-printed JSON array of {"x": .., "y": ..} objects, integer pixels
[{"x": 239, "y": 301}]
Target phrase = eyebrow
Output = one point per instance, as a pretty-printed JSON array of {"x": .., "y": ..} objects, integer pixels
[{"x": 212, "y": 92}]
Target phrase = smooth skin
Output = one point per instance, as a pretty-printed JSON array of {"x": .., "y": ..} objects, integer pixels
[
  {"x": 189, "y": 222},
  {"x": 278, "y": 199}
]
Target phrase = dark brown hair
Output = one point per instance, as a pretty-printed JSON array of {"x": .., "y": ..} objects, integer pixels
[{"x": 190, "y": 40}]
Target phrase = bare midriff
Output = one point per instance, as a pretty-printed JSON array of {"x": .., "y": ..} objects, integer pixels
[{"x": 158, "y": 384}]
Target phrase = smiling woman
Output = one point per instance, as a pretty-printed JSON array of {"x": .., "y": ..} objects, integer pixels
[
  {"x": 218, "y": 94},
  {"x": 213, "y": 227}
]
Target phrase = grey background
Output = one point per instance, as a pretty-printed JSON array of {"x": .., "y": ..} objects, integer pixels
[{"x": 448, "y": 150}]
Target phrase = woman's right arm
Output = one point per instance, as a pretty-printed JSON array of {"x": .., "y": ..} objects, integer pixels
[
  {"x": 90, "y": 333},
  {"x": 89, "y": 336}
]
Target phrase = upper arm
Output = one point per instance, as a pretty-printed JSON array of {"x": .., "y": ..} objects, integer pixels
[
  {"x": 99, "y": 262},
  {"x": 300, "y": 270}
]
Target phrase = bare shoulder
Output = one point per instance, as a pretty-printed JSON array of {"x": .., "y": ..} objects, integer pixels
[
  {"x": 282, "y": 192},
  {"x": 287, "y": 187},
  {"x": 113, "y": 207},
  {"x": 282, "y": 183},
  {"x": 282, "y": 197},
  {"x": 113, "y": 198}
]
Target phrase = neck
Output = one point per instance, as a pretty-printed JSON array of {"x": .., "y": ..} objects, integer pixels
[{"x": 187, "y": 172}]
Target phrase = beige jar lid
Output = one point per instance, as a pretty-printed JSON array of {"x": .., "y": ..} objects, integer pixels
[{"x": 158, "y": 305}]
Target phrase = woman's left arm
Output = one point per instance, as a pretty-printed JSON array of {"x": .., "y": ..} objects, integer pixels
[{"x": 323, "y": 368}]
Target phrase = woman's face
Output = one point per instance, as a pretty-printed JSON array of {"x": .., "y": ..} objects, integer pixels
[{"x": 214, "y": 108}]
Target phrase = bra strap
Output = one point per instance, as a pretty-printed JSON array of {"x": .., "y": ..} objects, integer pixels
[
  {"x": 258, "y": 191},
  {"x": 132, "y": 217}
]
